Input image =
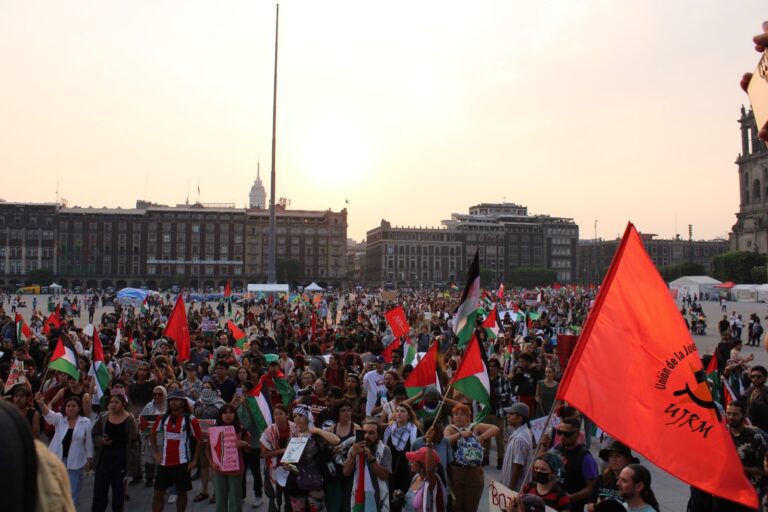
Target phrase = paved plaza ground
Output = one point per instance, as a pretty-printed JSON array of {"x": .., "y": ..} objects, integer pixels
[{"x": 671, "y": 493}]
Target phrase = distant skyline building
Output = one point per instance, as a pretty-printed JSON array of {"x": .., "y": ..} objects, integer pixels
[
  {"x": 257, "y": 199},
  {"x": 750, "y": 233},
  {"x": 505, "y": 234}
]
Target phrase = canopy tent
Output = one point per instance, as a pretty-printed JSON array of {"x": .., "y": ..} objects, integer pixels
[
  {"x": 131, "y": 296},
  {"x": 268, "y": 288},
  {"x": 704, "y": 287},
  {"x": 314, "y": 287},
  {"x": 55, "y": 286},
  {"x": 762, "y": 293},
  {"x": 726, "y": 285},
  {"x": 744, "y": 292}
]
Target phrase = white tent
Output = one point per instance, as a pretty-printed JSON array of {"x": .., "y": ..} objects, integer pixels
[
  {"x": 762, "y": 293},
  {"x": 268, "y": 288},
  {"x": 701, "y": 286},
  {"x": 55, "y": 286},
  {"x": 744, "y": 292},
  {"x": 314, "y": 287}
]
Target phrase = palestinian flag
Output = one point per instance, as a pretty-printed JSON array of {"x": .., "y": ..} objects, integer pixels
[
  {"x": 238, "y": 316},
  {"x": 425, "y": 374},
  {"x": 454, "y": 287},
  {"x": 713, "y": 379},
  {"x": 22, "y": 331},
  {"x": 98, "y": 368},
  {"x": 144, "y": 307},
  {"x": 284, "y": 388},
  {"x": 465, "y": 316},
  {"x": 409, "y": 351},
  {"x": 500, "y": 293},
  {"x": 387, "y": 354},
  {"x": 365, "y": 492},
  {"x": 64, "y": 358},
  {"x": 491, "y": 325},
  {"x": 259, "y": 406},
  {"x": 240, "y": 336},
  {"x": 471, "y": 378}
]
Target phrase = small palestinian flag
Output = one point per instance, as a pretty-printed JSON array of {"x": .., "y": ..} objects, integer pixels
[
  {"x": 259, "y": 405},
  {"x": 144, "y": 307},
  {"x": 238, "y": 316},
  {"x": 491, "y": 325},
  {"x": 425, "y": 374},
  {"x": 239, "y": 335},
  {"x": 98, "y": 368},
  {"x": 287, "y": 392},
  {"x": 409, "y": 351},
  {"x": 22, "y": 331},
  {"x": 64, "y": 358}
]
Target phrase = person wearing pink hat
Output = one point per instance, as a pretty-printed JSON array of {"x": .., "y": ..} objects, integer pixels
[{"x": 427, "y": 492}]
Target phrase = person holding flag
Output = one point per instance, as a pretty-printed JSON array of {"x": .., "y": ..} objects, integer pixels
[{"x": 71, "y": 442}]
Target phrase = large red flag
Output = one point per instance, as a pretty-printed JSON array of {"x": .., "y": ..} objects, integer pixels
[
  {"x": 636, "y": 372},
  {"x": 397, "y": 321},
  {"x": 178, "y": 329}
]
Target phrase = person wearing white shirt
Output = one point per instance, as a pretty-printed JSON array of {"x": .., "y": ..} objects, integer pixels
[
  {"x": 373, "y": 383},
  {"x": 72, "y": 441}
]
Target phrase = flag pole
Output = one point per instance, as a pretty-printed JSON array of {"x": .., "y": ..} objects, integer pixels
[{"x": 529, "y": 468}]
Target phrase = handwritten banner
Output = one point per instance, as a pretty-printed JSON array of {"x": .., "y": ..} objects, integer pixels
[{"x": 225, "y": 454}]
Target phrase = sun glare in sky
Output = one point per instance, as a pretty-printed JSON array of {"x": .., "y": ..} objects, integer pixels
[{"x": 590, "y": 109}]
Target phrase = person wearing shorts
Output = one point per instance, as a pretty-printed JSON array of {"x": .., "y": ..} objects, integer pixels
[{"x": 175, "y": 460}]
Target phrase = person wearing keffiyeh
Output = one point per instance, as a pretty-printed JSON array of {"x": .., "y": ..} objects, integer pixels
[
  {"x": 399, "y": 437},
  {"x": 370, "y": 461}
]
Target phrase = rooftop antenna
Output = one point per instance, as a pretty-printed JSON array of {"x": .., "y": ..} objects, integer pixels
[{"x": 187, "y": 192}]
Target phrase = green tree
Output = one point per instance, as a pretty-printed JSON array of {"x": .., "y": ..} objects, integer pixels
[
  {"x": 41, "y": 276},
  {"x": 758, "y": 275},
  {"x": 737, "y": 266},
  {"x": 672, "y": 272},
  {"x": 530, "y": 277}
]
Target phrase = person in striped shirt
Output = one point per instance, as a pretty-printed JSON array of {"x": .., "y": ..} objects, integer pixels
[{"x": 175, "y": 460}]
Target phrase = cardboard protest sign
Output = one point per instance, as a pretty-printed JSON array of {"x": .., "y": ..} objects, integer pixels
[
  {"x": 294, "y": 450},
  {"x": 225, "y": 455}
]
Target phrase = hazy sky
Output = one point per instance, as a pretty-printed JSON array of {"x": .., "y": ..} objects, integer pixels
[{"x": 607, "y": 110}]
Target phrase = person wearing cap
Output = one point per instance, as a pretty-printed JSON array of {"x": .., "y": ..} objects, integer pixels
[
  {"x": 547, "y": 468},
  {"x": 427, "y": 491},
  {"x": 580, "y": 467},
  {"x": 618, "y": 456},
  {"x": 191, "y": 385},
  {"x": 519, "y": 452},
  {"x": 116, "y": 451},
  {"x": 174, "y": 458},
  {"x": 373, "y": 384}
]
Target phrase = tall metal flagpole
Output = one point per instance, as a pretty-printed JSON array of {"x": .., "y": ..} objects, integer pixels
[{"x": 272, "y": 268}]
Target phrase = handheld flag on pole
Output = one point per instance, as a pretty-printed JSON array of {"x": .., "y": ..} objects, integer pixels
[
  {"x": 425, "y": 374},
  {"x": 64, "y": 358},
  {"x": 471, "y": 377},
  {"x": 661, "y": 383},
  {"x": 98, "y": 368},
  {"x": 466, "y": 313},
  {"x": 178, "y": 329}
]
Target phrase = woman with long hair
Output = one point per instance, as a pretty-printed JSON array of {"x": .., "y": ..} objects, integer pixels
[
  {"x": 228, "y": 487},
  {"x": 340, "y": 487},
  {"x": 273, "y": 442},
  {"x": 400, "y": 436},
  {"x": 353, "y": 394},
  {"x": 546, "y": 390},
  {"x": 117, "y": 452},
  {"x": 72, "y": 442},
  {"x": 21, "y": 395}
]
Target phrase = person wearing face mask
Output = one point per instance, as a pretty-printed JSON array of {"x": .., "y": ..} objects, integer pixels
[{"x": 546, "y": 469}]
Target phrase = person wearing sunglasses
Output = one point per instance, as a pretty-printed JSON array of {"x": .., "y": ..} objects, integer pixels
[
  {"x": 581, "y": 469},
  {"x": 756, "y": 397}
]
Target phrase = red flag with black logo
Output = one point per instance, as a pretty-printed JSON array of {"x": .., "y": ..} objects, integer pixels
[
  {"x": 636, "y": 372},
  {"x": 397, "y": 321}
]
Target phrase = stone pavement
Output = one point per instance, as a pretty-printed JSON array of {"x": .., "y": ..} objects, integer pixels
[{"x": 671, "y": 492}]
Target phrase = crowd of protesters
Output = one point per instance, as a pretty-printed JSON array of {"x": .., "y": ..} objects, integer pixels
[{"x": 421, "y": 451}]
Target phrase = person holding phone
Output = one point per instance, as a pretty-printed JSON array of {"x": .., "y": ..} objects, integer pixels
[{"x": 372, "y": 457}]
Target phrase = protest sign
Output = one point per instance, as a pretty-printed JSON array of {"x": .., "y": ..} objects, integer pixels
[
  {"x": 205, "y": 425},
  {"x": 129, "y": 366},
  {"x": 537, "y": 425},
  {"x": 225, "y": 454},
  {"x": 294, "y": 450},
  {"x": 499, "y": 496}
]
